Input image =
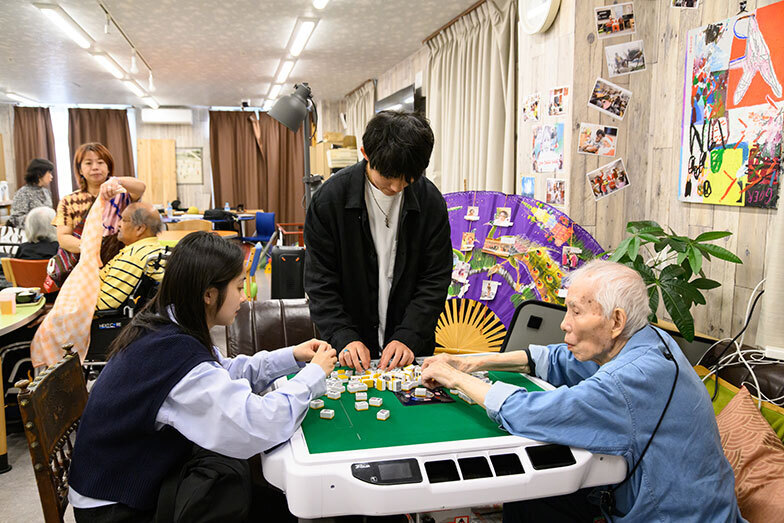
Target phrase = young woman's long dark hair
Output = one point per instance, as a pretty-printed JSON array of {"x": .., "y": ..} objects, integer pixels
[{"x": 200, "y": 261}]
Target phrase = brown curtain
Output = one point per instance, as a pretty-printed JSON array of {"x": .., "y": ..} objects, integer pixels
[
  {"x": 33, "y": 138},
  {"x": 258, "y": 163},
  {"x": 106, "y": 126}
]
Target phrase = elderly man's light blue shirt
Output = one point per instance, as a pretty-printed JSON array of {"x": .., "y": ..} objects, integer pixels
[{"x": 613, "y": 409}]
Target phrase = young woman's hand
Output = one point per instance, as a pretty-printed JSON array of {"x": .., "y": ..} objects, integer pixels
[
  {"x": 111, "y": 188},
  {"x": 325, "y": 357},
  {"x": 305, "y": 351}
]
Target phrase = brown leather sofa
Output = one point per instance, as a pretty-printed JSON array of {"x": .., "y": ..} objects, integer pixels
[{"x": 269, "y": 325}]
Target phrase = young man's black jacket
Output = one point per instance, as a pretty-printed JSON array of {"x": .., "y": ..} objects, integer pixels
[{"x": 341, "y": 268}]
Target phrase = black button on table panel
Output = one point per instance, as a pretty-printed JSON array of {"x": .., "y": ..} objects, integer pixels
[
  {"x": 550, "y": 456},
  {"x": 441, "y": 471},
  {"x": 473, "y": 468},
  {"x": 507, "y": 464}
]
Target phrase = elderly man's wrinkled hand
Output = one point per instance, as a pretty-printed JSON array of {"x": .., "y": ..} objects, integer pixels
[
  {"x": 440, "y": 373},
  {"x": 461, "y": 364}
]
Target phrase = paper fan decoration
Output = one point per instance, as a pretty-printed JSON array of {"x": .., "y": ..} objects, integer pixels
[
  {"x": 529, "y": 253},
  {"x": 469, "y": 326}
]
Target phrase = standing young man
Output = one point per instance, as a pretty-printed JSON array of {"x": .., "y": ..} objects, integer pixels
[{"x": 379, "y": 256}]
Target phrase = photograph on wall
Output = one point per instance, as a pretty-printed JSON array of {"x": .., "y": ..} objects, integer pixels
[
  {"x": 686, "y": 4},
  {"x": 625, "y": 58},
  {"x": 570, "y": 257},
  {"x": 558, "y": 100},
  {"x": 597, "y": 139},
  {"x": 527, "y": 185},
  {"x": 608, "y": 179},
  {"x": 547, "y": 154},
  {"x": 460, "y": 271},
  {"x": 189, "y": 165},
  {"x": 467, "y": 242},
  {"x": 614, "y": 20},
  {"x": 610, "y": 99},
  {"x": 489, "y": 290},
  {"x": 472, "y": 214},
  {"x": 556, "y": 191},
  {"x": 732, "y": 118},
  {"x": 503, "y": 216},
  {"x": 531, "y": 108}
]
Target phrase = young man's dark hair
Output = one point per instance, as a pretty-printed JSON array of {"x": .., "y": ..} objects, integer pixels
[
  {"x": 36, "y": 170},
  {"x": 398, "y": 144}
]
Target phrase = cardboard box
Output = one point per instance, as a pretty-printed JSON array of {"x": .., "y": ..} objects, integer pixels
[{"x": 343, "y": 157}]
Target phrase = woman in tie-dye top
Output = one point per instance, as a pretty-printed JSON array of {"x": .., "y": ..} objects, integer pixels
[{"x": 94, "y": 164}]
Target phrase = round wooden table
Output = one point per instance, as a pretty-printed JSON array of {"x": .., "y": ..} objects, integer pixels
[
  {"x": 9, "y": 322},
  {"x": 170, "y": 238}
]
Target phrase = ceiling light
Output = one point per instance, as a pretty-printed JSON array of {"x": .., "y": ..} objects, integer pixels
[
  {"x": 302, "y": 32},
  {"x": 67, "y": 24},
  {"x": 320, "y": 4},
  {"x": 150, "y": 84},
  {"x": 151, "y": 102},
  {"x": 285, "y": 68},
  {"x": 275, "y": 91},
  {"x": 110, "y": 65},
  {"x": 134, "y": 88},
  {"x": 19, "y": 98}
]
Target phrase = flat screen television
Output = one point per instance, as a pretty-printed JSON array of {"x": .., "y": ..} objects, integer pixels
[{"x": 407, "y": 99}]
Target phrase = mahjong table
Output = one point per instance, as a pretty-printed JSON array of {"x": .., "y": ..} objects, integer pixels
[{"x": 423, "y": 458}]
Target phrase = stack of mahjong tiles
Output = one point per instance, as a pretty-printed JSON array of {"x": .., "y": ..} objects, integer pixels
[{"x": 395, "y": 380}]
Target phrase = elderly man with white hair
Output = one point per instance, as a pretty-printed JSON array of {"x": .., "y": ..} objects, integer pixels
[{"x": 624, "y": 388}]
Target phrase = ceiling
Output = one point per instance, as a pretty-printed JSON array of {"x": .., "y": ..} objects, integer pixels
[{"x": 205, "y": 53}]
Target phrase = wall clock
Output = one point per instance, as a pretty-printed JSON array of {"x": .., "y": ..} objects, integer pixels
[{"x": 536, "y": 16}]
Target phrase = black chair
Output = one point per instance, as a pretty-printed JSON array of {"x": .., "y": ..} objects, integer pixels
[{"x": 539, "y": 323}]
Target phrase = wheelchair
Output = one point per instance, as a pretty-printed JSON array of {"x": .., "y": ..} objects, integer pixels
[{"x": 107, "y": 324}]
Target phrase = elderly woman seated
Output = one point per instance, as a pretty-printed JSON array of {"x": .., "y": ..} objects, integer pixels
[
  {"x": 624, "y": 388},
  {"x": 41, "y": 235}
]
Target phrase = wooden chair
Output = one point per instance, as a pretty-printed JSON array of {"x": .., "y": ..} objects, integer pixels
[
  {"x": 8, "y": 271},
  {"x": 27, "y": 273},
  {"x": 190, "y": 225},
  {"x": 51, "y": 407}
]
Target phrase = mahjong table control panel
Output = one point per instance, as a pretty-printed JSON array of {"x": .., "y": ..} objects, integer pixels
[{"x": 423, "y": 458}]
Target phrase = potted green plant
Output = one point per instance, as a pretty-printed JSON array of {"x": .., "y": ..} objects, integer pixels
[{"x": 671, "y": 266}]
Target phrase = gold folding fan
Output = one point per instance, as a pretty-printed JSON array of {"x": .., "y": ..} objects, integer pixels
[{"x": 467, "y": 326}]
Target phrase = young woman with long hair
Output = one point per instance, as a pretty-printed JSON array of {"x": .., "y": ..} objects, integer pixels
[{"x": 166, "y": 388}]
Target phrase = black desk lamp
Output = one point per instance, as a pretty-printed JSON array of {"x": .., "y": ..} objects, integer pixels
[{"x": 291, "y": 110}]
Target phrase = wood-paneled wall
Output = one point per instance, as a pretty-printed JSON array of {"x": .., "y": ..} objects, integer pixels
[
  {"x": 649, "y": 142},
  {"x": 196, "y": 135}
]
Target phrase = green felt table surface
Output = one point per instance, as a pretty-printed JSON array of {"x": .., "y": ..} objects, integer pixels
[{"x": 407, "y": 425}]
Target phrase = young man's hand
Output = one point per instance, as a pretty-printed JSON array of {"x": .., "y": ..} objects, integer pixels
[
  {"x": 395, "y": 354},
  {"x": 356, "y": 356}
]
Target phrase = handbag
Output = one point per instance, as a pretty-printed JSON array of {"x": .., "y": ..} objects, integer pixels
[{"x": 61, "y": 264}]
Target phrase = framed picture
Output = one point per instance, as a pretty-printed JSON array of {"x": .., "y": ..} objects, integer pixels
[{"x": 189, "y": 166}]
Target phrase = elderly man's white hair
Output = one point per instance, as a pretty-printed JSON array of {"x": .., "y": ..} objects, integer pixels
[
  {"x": 617, "y": 286},
  {"x": 38, "y": 225}
]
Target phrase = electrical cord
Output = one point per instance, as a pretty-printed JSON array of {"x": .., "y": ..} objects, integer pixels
[
  {"x": 607, "y": 497},
  {"x": 739, "y": 334}
]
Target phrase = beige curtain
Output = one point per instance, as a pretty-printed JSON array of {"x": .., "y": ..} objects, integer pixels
[
  {"x": 33, "y": 138},
  {"x": 257, "y": 162},
  {"x": 471, "y": 100},
  {"x": 359, "y": 110}
]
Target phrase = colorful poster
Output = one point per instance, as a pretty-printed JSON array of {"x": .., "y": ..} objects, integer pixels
[
  {"x": 733, "y": 113},
  {"x": 531, "y": 108},
  {"x": 547, "y": 154},
  {"x": 558, "y": 97}
]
